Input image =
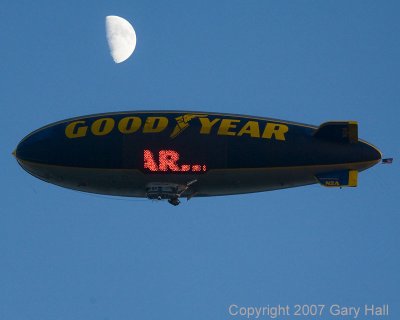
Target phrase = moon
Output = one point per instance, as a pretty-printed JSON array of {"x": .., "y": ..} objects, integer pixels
[{"x": 121, "y": 38}]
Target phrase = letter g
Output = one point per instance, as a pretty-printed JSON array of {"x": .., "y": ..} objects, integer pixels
[{"x": 73, "y": 131}]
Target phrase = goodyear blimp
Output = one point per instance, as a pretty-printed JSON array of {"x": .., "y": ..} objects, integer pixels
[{"x": 174, "y": 154}]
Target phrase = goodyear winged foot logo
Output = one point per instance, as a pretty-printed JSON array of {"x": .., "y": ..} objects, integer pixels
[
  {"x": 219, "y": 125},
  {"x": 182, "y": 123}
]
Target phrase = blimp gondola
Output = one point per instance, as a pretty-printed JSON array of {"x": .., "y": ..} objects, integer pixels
[{"x": 168, "y": 155}]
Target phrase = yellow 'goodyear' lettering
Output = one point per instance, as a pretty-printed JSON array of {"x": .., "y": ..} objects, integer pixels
[
  {"x": 206, "y": 125},
  {"x": 76, "y": 129},
  {"x": 129, "y": 125},
  {"x": 153, "y": 124},
  {"x": 226, "y": 126},
  {"x": 251, "y": 128},
  {"x": 276, "y": 130},
  {"x": 102, "y": 127}
]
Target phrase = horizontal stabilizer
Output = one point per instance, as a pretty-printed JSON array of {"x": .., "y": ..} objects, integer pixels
[
  {"x": 345, "y": 178},
  {"x": 340, "y": 131}
]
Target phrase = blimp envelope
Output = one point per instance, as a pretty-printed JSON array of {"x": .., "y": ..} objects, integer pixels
[{"x": 173, "y": 154}]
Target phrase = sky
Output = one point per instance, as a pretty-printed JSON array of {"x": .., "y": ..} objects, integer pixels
[{"x": 71, "y": 255}]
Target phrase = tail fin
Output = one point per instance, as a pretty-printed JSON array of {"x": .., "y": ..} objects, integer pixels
[
  {"x": 345, "y": 178},
  {"x": 339, "y": 131}
]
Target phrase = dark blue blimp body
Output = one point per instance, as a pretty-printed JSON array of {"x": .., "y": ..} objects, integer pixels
[{"x": 172, "y": 154}]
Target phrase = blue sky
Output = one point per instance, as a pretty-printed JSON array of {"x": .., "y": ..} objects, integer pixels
[{"x": 70, "y": 255}]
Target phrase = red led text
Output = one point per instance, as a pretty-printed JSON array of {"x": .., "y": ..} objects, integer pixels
[{"x": 168, "y": 161}]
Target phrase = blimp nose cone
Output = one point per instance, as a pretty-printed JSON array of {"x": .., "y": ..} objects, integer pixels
[
  {"x": 33, "y": 154},
  {"x": 32, "y": 150},
  {"x": 20, "y": 155},
  {"x": 39, "y": 146},
  {"x": 23, "y": 152}
]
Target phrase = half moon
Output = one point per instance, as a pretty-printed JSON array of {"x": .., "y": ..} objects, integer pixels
[{"x": 121, "y": 38}]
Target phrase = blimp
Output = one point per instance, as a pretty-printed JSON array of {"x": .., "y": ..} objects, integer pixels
[{"x": 169, "y": 155}]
